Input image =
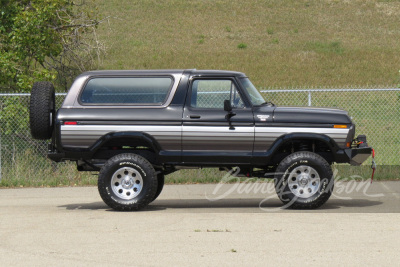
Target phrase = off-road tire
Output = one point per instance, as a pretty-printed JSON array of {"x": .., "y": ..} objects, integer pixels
[
  {"x": 42, "y": 110},
  {"x": 304, "y": 180},
  {"x": 127, "y": 182},
  {"x": 160, "y": 186}
]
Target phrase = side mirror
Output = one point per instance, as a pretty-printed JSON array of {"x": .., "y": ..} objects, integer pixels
[{"x": 227, "y": 106}]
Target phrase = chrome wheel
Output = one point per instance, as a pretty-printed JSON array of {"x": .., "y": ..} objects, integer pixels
[
  {"x": 127, "y": 183},
  {"x": 304, "y": 181}
]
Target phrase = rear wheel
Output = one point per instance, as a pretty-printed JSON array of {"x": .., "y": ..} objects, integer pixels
[
  {"x": 304, "y": 180},
  {"x": 42, "y": 110},
  {"x": 127, "y": 182}
]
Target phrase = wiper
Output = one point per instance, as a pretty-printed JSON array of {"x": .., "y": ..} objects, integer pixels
[{"x": 268, "y": 103}]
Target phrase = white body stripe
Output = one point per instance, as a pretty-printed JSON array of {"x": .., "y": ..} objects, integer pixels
[
  {"x": 196, "y": 137},
  {"x": 87, "y": 135}
]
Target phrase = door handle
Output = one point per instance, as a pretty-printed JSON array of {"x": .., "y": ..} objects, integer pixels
[{"x": 195, "y": 116}]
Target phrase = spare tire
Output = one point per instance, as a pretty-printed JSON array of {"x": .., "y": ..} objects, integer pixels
[{"x": 42, "y": 110}]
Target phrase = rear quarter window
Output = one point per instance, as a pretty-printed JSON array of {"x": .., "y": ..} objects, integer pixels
[{"x": 126, "y": 90}]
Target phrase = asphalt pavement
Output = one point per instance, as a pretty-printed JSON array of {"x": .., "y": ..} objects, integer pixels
[{"x": 201, "y": 225}]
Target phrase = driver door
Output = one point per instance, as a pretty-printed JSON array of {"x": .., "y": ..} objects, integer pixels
[{"x": 207, "y": 136}]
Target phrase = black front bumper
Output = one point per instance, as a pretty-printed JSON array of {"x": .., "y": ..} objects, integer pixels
[
  {"x": 354, "y": 156},
  {"x": 357, "y": 156}
]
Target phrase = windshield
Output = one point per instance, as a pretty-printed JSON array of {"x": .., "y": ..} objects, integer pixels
[{"x": 254, "y": 96}]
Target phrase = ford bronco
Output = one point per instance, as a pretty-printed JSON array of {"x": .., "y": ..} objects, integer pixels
[{"x": 134, "y": 127}]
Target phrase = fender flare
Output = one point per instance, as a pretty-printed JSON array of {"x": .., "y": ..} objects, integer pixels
[
  {"x": 136, "y": 136},
  {"x": 287, "y": 138},
  {"x": 86, "y": 154}
]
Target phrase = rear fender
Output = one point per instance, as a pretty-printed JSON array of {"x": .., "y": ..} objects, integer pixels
[
  {"x": 126, "y": 139},
  {"x": 114, "y": 139}
]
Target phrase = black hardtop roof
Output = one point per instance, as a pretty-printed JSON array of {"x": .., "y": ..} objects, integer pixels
[
  {"x": 216, "y": 73},
  {"x": 193, "y": 72}
]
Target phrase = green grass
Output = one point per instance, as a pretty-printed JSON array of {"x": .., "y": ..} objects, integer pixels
[
  {"x": 242, "y": 46},
  {"x": 31, "y": 170},
  {"x": 289, "y": 43},
  {"x": 324, "y": 47}
]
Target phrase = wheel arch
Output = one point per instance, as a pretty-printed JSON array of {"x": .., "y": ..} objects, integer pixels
[
  {"x": 288, "y": 139},
  {"x": 118, "y": 140}
]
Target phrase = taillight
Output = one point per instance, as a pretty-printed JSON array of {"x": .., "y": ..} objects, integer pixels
[{"x": 70, "y": 123}]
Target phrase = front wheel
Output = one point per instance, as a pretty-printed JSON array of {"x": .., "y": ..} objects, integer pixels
[
  {"x": 304, "y": 180},
  {"x": 160, "y": 186},
  {"x": 127, "y": 182}
]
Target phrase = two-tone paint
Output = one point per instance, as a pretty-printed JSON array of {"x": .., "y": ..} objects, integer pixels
[{"x": 191, "y": 136}]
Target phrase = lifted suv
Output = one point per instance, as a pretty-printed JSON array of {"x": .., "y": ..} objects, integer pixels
[{"x": 134, "y": 127}]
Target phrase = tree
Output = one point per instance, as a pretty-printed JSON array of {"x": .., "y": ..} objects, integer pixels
[{"x": 49, "y": 40}]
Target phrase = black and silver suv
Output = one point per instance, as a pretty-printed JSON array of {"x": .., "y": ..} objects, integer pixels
[{"x": 135, "y": 127}]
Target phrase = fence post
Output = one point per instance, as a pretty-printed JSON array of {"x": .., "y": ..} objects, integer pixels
[{"x": 309, "y": 98}]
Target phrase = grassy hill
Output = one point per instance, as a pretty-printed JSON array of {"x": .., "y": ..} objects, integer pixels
[{"x": 289, "y": 43}]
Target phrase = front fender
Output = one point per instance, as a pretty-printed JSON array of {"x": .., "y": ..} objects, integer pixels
[
  {"x": 287, "y": 138},
  {"x": 267, "y": 156}
]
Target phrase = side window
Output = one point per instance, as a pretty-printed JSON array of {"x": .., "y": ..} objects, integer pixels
[
  {"x": 126, "y": 90},
  {"x": 212, "y": 93}
]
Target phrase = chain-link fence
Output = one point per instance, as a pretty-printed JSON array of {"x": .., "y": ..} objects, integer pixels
[
  {"x": 20, "y": 155},
  {"x": 375, "y": 112}
]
